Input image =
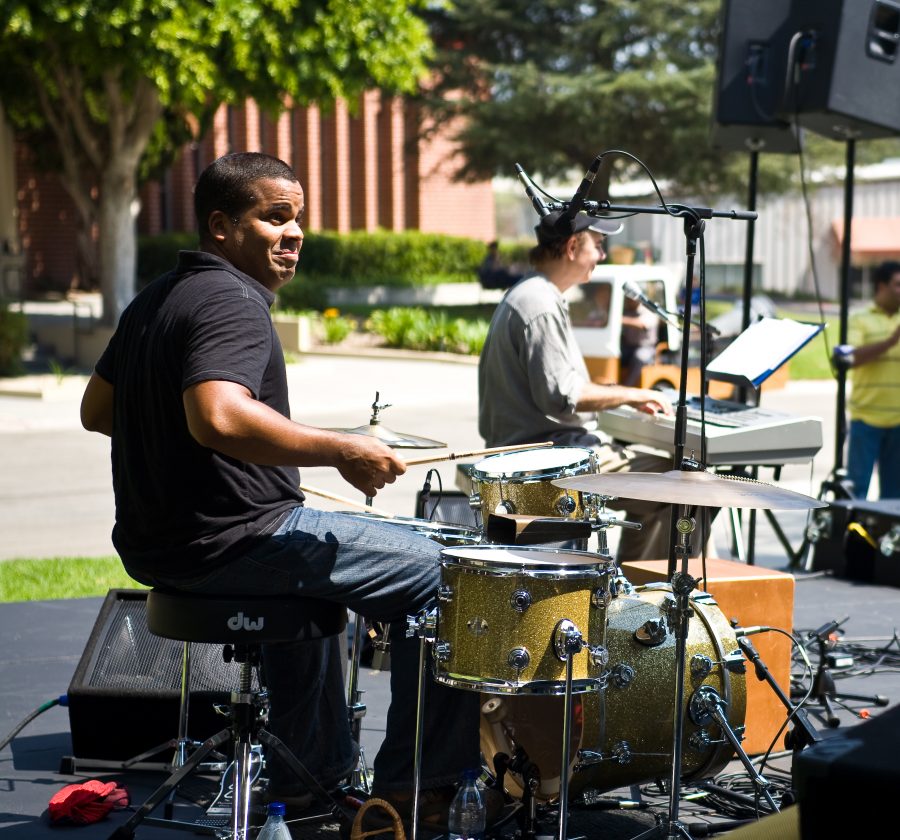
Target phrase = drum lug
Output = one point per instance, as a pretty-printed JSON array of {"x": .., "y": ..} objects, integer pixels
[
  {"x": 622, "y": 675},
  {"x": 442, "y": 650},
  {"x": 518, "y": 658},
  {"x": 735, "y": 662},
  {"x": 621, "y": 753},
  {"x": 475, "y": 501},
  {"x": 587, "y": 758},
  {"x": 445, "y": 592},
  {"x": 599, "y": 656},
  {"x": 652, "y": 633},
  {"x": 601, "y": 598},
  {"x": 701, "y": 665},
  {"x": 520, "y": 600},
  {"x": 506, "y": 506},
  {"x": 422, "y": 625},
  {"x": 700, "y": 741},
  {"x": 566, "y": 505}
]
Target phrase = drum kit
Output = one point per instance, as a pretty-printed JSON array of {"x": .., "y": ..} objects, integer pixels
[{"x": 576, "y": 668}]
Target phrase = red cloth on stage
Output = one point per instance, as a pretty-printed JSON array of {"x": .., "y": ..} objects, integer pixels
[{"x": 88, "y": 802}]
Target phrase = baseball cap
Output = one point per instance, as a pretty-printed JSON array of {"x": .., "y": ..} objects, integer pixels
[{"x": 555, "y": 226}]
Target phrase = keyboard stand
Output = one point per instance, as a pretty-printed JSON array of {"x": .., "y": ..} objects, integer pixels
[{"x": 746, "y": 552}]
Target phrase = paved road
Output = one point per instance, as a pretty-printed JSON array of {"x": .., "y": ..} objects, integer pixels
[{"x": 55, "y": 490}]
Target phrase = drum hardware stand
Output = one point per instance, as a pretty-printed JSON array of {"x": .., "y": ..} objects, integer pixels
[
  {"x": 824, "y": 690},
  {"x": 601, "y": 522},
  {"x": 567, "y": 641},
  {"x": 682, "y": 586},
  {"x": 706, "y": 705}
]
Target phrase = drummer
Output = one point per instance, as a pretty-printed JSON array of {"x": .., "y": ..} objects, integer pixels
[
  {"x": 192, "y": 391},
  {"x": 533, "y": 384}
]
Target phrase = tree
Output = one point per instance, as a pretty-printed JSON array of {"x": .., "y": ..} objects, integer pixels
[
  {"x": 117, "y": 86},
  {"x": 551, "y": 84}
]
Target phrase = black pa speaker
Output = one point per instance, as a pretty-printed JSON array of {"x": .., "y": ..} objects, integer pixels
[
  {"x": 750, "y": 78},
  {"x": 860, "y": 540},
  {"x": 844, "y": 68},
  {"x": 845, "y": 783},
  {"x": 124, "y": 696}
]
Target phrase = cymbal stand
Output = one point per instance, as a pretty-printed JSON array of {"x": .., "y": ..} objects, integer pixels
[
  {"x": 567, "y": 640},
  {"x": 356, "y": 709},
  {"x": 682, "y": 586}
]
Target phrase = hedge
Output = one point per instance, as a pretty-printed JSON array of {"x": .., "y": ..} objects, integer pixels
[{"x": 358, "y": 258}]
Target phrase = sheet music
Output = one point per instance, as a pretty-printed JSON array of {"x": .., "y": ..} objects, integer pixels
[{"x": 760, "y": 350}]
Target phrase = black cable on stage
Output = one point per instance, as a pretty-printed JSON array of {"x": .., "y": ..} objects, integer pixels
[{"x": 62, "y": 700}]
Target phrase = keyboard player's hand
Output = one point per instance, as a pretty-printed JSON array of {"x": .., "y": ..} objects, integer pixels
[{"x": 650, "y": 402}]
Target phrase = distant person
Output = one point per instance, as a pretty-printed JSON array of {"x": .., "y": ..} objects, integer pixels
[
  {"x": 492, "y": 273},
  {"x": 874, "y": 404},
  {"x": 637, "y": 343}
]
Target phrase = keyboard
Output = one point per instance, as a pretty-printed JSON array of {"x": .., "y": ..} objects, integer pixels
[{"x": 736, "y": 434}]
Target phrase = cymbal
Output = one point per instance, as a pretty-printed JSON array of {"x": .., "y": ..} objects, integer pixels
[
  {"x": 396, "y": 440},
  {"x": 682, "y": 487}
]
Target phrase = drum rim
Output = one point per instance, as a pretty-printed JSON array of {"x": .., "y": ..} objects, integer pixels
[
  {"x": 546, "y": 688},
  {"x": 535, "y": 474},
  {"x": 600, "y": 566}
]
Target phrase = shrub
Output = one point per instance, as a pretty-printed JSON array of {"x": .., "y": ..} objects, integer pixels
[
  {"x": 335, "y": 327},
  {"x": 13, "y": 338},
  {"x": 157, "y": 254},
  {"x": 418, "y": 329}
]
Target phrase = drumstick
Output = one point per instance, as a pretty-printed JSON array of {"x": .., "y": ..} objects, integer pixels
[
  {"x": 335, "y": 498},
  {"x": 455, "y": 455}
]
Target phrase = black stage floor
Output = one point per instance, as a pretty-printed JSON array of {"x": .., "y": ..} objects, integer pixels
[{"x": 44, "y": 642}]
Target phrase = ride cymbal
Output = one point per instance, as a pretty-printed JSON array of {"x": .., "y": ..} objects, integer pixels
[
  {"x": 396, "y": 440},
  {"x": 682, "y": 487}
]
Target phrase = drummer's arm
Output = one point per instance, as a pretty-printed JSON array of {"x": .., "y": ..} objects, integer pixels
[
  {"x": 225, "y": 417},
  {"x": 594, "y": 397}
]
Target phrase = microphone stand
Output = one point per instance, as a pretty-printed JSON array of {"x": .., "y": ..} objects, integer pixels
[{"x": 682, "y": 526}]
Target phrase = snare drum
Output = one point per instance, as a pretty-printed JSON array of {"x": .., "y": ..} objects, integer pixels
[
  {"x": 499, "y": 615},
  {"x": 519, "y": 482},
  {"x": 445, "y": 533},
  {"x": 622, "y": 735}
]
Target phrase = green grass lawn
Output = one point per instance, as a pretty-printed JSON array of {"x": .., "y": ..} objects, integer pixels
[{"x": 62, "y": 577}]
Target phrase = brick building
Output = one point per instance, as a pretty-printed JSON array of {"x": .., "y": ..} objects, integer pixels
[{"x": 364, "y": 170}]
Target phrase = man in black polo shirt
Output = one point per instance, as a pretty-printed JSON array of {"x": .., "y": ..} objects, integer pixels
[{"x": 192, "y": 391}]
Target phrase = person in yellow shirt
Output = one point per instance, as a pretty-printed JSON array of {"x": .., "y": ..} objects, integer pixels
[{"x": 874, "y": 405}]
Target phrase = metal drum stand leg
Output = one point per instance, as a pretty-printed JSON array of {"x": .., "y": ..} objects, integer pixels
[{"x": 422, "y": 625}]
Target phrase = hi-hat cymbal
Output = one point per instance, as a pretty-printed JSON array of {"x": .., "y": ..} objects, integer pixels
[
  {"x": 396, "y": 440},
  {"x": 683, "y": 487}
]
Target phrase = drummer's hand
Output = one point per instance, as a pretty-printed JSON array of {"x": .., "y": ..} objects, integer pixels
[
  {"x": 652, "y": 402},
  {"x": 368, "y": 464}
]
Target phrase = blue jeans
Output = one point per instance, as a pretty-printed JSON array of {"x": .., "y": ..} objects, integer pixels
[
  {"x": 378, "y": 570},
  {"x": 870, "y": 445}
]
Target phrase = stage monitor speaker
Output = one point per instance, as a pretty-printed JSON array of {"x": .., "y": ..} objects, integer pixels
[
  {"x": 845, "y": 783},
  {"x": 125, "y": 693},
  {"x": 844, "y": 68},
  {"x": 750, "y": 78},
  {"x": 859, "y": 540}
]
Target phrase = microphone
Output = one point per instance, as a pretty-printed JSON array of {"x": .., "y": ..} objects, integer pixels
[
  {"x": 740, "y": 632},
  {"x": 536, "y": 201},
  {"x": 633, "y": 291},
  {"x": 577, "y": 202}
]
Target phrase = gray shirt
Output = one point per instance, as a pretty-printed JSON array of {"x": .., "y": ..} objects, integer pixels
[{"x": 531, "y": 372}]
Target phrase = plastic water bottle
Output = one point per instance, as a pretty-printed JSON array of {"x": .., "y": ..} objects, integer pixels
[
  {"x": 467, "y": 812},
  {"x": 274, "y": 828}
]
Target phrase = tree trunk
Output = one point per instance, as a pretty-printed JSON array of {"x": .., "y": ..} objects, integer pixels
[{"x": 117, "y": 239}]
